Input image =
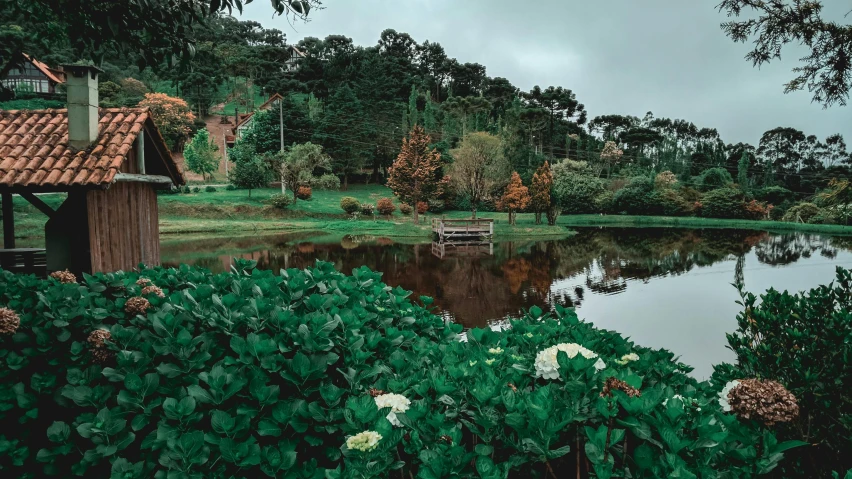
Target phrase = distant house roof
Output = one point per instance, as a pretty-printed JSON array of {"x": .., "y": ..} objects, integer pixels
[
  {"x": 298, "y": 52},
  {"x": 265, "y": 106},
  {"x": 34, "y": 149},
  {"x": 57, "y": 76}
]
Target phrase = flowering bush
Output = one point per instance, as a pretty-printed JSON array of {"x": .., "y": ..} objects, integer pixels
[
  {"x": 405, "y": 209},
  {"x": 172, "y": 116},
  {"x": 349, "y": 204},
  {"x": 422, "y": 207},
  {"x": 313, "y": 373}
]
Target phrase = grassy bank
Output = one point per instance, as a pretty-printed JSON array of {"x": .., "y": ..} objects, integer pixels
[
  {"x": 236, "y": 212},
  {"x": 691, "y": 222}
]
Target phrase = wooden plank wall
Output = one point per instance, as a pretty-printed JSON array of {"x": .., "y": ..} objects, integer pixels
[{"x": 123, "y": 227}]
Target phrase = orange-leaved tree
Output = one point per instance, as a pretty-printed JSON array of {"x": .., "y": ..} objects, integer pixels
[
  {"x": 413, "y": 177},
  {"x": 516, "y": 197},
  {"x": 172, "y": 116},
  {"x": 542, "y": 183}
]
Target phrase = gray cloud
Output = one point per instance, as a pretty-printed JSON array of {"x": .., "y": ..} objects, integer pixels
[{"x": 618, "y": 56}]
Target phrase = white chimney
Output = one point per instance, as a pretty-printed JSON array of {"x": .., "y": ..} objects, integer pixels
[{"x": 81, "y": 81}]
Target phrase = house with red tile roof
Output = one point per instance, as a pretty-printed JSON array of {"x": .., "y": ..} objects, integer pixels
[
  {"x": 109, "y": 162},
  {"x": 32, "y": 75}
]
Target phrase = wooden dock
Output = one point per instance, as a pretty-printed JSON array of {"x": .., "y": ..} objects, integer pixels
[{"x": 466, "y": 228}]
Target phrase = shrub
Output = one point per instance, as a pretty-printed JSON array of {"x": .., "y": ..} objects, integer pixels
[
  {"x": 349, "y": 204},
  {"x": 304, "y": 192},
  {"x": 248, "y": 373},
  {"x": 714, "y": 178},
  {"x": 436, "y": 206},
  {"x": 231, "y": 187},
  {"x": 797, "y": 339},
  {"x": 326, "y": 182},
  {"x": 196, "y": 189},
  {"x": 605, "y": 202},
  {"x": 755, "y": 210},
  {"x": 669, "y": 202},
  {"x": 280, "y": 201},
  {"x": 186, "y": 189},
  {"x": 575, "y": 193},
  {"x": 422, "y": 207},
  {"x": 774, "y": 195},
  {"x": 385, "y": 206},
  {"x": 802, "y": 212},
  {"x": 405, "y": 209},
  {"x": 637, "y": 198},
  {"x": 724, "y": 203},
  {"x": 210, "y": 189},
  {"x": 368, "y": 209}
]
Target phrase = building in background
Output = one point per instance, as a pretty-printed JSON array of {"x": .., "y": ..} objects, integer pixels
[{"x": 32, "y": 75}]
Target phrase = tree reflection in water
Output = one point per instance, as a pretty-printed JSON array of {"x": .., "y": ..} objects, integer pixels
[{"x": 520, "y": 274}]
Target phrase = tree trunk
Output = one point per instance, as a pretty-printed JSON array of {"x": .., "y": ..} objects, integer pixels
[
  {"x": 345, "y": 181},
  {"x": 284, "y": 186},
  {"x": 538, "y": 217},
  {"x": 473, "y": 211},
  {"x": 416, "y": 216}
]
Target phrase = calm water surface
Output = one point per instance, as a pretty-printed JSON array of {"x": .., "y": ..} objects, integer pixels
[{"x": 665, "y": 288}]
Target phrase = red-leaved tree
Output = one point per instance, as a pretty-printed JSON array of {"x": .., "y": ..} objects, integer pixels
[
  {"x": 542, "y": 183},
  {"x": 516, "y": 198},
  {"x": 414, "y": 175}
]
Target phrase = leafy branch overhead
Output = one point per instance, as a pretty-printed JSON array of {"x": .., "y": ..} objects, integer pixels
[
  {"x": 93, "y": 28},
  {"x": 826, "y": 71}
]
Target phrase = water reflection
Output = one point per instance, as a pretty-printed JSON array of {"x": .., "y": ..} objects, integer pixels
[{"x": 477, "y": 282}]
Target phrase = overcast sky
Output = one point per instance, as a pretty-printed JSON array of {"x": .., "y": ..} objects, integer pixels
[{"x": 619, "y": 56}]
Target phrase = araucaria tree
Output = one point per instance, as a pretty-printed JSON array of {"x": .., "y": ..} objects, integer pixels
[
  {"x": 200, "y": 155},
  {"x": 413, "y": 177},
  {"x": 542, "y": 183},
  {"x": 516, "y": 198},
  {"x": 479, "y": 167}
]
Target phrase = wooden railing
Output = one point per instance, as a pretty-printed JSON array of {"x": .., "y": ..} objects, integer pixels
[{"x": 462, "y": 228}]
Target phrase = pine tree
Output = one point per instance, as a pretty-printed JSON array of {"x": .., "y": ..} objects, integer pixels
[
  {"x": 430, "y": 120},
  {"x": 516, "y": 198},
  {"x": 413, "y": 116},
  {"x": 414, "y": 175},
  {"x": 341, "y": 136},
  {"x": 542, "y": 183}
]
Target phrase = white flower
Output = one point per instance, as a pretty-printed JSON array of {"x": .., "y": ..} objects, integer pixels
[
  {"x": 630, "y": 357},
  {"x": 676, "y": 396},
  {"x": 472, "y": 363},
  {"x": 397, "y": 403},
  {"x": 495, "y": 351},
  {"x": 529, "y": 335},
  {"x": 547, "y": 367},
  {"x": 489, "y": 362},
  {"x": 364, "y": 441},
  {"x": 723, "y": 396}
]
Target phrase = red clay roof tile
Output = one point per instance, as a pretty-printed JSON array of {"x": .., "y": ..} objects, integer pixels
[{"x": 34, "y": 152}]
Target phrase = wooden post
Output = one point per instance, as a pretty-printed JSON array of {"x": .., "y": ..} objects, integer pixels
[{"x": 8, "y": 222}]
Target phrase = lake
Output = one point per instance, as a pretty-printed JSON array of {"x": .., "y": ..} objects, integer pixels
[{"x": 664, "y": 288}]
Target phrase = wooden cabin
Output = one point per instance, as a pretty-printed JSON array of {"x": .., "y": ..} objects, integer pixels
[
  {"x": 109, "y": 161},
  {"x": 32, "y": 75}
]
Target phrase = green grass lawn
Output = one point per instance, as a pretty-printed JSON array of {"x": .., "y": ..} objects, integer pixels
[{"x": 235, "y": 212}]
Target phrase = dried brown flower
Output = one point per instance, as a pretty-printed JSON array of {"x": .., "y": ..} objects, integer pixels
[
  {"x": 612, "y": 384},
  {"x": 512, "y": 387},
  {"x": 446, "y": 438},
  {"x": 9, "y": 321},
  {"x": 143, "y": 282},
  {"x": 153, "y": 290},
  {"x": 376, "y": 392},
  {"x": 65, "y": 277},
  {"x": 137, "y": 305},
  {"x": 97, "y": 343},
  {"x": 763, "y": 400}
]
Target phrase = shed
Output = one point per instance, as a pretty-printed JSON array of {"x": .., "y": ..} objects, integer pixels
[{"x": 109, "y": 161}]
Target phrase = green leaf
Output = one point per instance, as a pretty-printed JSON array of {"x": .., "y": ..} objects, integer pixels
[{"x": 58, "y": 432}]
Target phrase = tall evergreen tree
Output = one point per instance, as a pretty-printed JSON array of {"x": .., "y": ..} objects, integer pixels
[
  {"x": 340, "y": 132},
  {"x": 414, "y": 175}
]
